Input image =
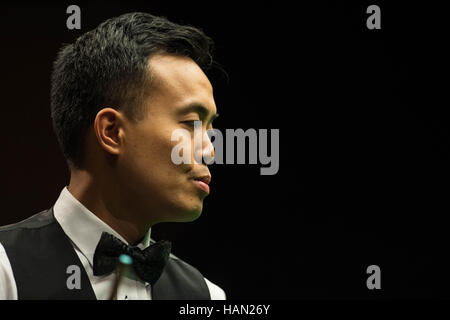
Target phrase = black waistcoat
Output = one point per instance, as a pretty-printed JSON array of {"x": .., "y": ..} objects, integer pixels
[{"x": 40, "y": 252}]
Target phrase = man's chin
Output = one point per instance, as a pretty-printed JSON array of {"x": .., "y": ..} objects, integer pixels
[
  {"x": 191, "y": 215},
  {"x": 186, "y": 214}
]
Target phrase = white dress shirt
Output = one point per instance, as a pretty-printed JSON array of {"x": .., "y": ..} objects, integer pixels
[{"x": 84, "y": 230}]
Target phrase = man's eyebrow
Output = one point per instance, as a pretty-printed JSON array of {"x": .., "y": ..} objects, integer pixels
[{"x": 200, "y": 109}]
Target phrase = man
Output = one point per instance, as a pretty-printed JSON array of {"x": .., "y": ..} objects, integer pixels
[{"x": 118, "y": 92}]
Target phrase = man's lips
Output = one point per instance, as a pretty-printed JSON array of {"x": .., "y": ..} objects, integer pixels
[
  {"x": 205, "y": 179},
  {"x": 202, "y": 182}
]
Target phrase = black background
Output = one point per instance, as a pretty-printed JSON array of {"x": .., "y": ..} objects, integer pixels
[{"x": 364, "y": 142}]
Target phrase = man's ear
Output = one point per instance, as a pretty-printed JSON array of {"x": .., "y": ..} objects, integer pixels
[{"x": 108, "y": 127}]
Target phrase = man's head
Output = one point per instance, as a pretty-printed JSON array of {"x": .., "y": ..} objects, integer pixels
[{"x": 117, "y": 95}]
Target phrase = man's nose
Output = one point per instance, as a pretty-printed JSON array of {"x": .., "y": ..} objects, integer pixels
[
  {"x": 208, "y": 151},
  {"x": 204, "y": 153}
]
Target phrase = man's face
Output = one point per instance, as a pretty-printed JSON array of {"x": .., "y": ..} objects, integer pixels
[{"x": 168, "y": 191}]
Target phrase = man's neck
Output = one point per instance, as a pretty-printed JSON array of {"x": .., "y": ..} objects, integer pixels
[{"x": 107, "y": 206}]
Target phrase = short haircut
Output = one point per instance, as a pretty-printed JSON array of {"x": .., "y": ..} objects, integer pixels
[{"x": 108, "y": 67}]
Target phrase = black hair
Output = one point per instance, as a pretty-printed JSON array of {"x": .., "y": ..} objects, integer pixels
[{"x": 108, "y": 66}]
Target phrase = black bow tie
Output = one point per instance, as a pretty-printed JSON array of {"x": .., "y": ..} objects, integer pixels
[{"x": 148, "y": 263}]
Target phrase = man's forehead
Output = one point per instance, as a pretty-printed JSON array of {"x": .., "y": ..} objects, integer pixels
[{"x": 179, "y": 73}]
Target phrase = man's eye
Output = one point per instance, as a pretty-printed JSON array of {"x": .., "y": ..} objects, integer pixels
[{"x": 190, "y": 122}]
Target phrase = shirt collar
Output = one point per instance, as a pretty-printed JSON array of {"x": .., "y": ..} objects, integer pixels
[{"x": 83, "y": 227}]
